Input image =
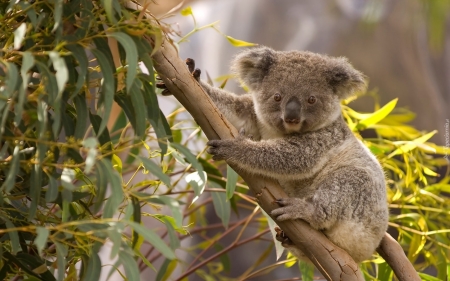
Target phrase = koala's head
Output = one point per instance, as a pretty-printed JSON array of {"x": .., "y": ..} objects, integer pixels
[{"x": 296, "y": 91}]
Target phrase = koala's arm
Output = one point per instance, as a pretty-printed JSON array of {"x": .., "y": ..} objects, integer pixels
[
  {"x": 236, "y": 108},
  {"x": 294, "y": 157}
]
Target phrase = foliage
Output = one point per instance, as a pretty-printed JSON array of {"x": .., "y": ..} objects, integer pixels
[{"x": 78, "y": 172}]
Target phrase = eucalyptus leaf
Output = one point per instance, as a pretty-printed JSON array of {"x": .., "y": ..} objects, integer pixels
[
  {"x": 222, "y": 207},
  {"x": 41, "y": 238},
  {"x": 153, "y": 239},
  {"x": 132, "y": 56},
  {"x": 155, "y": 170},
  {"x": 108, "y": 87}
]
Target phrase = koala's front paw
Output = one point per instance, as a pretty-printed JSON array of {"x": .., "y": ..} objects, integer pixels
[
  {"x": 221, "y": 149},
  {"x": 290, "y": 209},
  {"x": 191, "y": 66},
  {"x": 282, "y": 237}
]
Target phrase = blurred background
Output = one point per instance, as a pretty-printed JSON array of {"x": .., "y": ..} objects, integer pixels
[{"x": 403, "y": 46}]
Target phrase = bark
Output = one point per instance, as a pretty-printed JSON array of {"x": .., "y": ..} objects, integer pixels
[{"x": 333, "y": 262}]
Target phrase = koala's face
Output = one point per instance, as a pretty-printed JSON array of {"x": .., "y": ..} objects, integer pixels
[{"x": 296, "y": 92}]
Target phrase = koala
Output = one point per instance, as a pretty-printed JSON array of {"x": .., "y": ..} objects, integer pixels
[{"x": 300, "y": 139}]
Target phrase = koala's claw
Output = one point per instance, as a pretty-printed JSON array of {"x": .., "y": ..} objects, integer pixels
[
  {"x": 191, "y": 66},
  {"x": 282, "y": 237}
]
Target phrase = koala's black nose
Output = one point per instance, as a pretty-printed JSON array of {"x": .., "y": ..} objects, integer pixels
[{"x": 292, "y": 111}]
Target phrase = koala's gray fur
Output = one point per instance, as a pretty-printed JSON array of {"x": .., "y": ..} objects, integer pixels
[{"x": 332, "y": 180}]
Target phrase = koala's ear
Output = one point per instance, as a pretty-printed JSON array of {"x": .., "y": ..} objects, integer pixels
[
  {"x": 252, "y": 65},
  {"x": 344, "y": 79}
]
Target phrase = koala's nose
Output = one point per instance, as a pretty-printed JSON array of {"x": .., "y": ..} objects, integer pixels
[{"x": 292, "y": 111}]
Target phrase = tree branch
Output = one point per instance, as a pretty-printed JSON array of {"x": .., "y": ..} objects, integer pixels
[{"x": 333, "y": 262}]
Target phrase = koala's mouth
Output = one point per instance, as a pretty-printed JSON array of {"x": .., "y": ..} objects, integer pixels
[{"x": 292, "y": 125}]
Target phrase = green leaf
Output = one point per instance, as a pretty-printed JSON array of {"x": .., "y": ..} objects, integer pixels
[
  {"x": 13, "y": 236},
  {"x": 132, "y": 56},
  {"x": 139, "y": 109},
  {"x": 52, "y": 192},
  {"x": 166, "y": 270},
  {"x": 108, "y": 6},
  {"x": 155, "y": 170},
  {"x": 384, "y": 272},
  {"x": 41, "y": 238},
  {"x": 94, "y": 267},
  {"x": 239, "y": 43},
  {"x": 103, "y": 137},
  {"x": 174, "y": 241},
  {"x": 79, "y": 54},
  {"x": 231, "y": 182},
  {"x": 191, "y": 158},
  {"x": 11, "y": 84},
  {"x": 82, "y": 116},
  {"x": 130, "y": 265},
  {"x": 108, "y": 87},
  {"x": 61, "y": 253},
  {"x": 427, "y": 277},
  {"x": 153, "y": 239},
  {"x": 116, "y": 197},
  {"x": 19, "y": 35},
  {"x": 307, "y": 270},
  {"x": 49, "y": 81},
  {"x": 8, "y": 184},
  {"x": 27, "y": 64},
  {"x": 221, "y": 206},
  {"x": 57, "y": 15},
  {"x": 35, "y": 189},
  {"x": 174, "y": 206},
  {"x": 377, "y": 116}
]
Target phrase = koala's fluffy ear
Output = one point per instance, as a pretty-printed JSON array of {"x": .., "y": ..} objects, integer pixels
[
  {"x": 252, "y": 65},
  {"x": 344, "y": 79}
]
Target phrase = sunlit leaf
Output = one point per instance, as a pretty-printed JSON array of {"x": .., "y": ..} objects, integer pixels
[
  {"x": 410, "y": 145},
  {"x": 19, "y": 35},
  {"x": 239, "y": 43},
  {"x": 376, "y": 116},
  {"x": 198, "y": 182},
  {"x": 91, "y": 145},
  {"x": 166, "y": 270}
]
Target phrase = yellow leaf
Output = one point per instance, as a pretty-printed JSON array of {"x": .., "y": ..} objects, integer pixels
[
  {"x": 239, "y": 43},
  {"x": 377, "y": 116},
  {"x": 410, "y": 145},
  {"x": 186, "y": 11}
]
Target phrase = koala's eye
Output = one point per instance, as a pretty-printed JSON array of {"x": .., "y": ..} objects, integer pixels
[
  {"x": 312, "y": 99},
  {"x": 277, "y": 97}
]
